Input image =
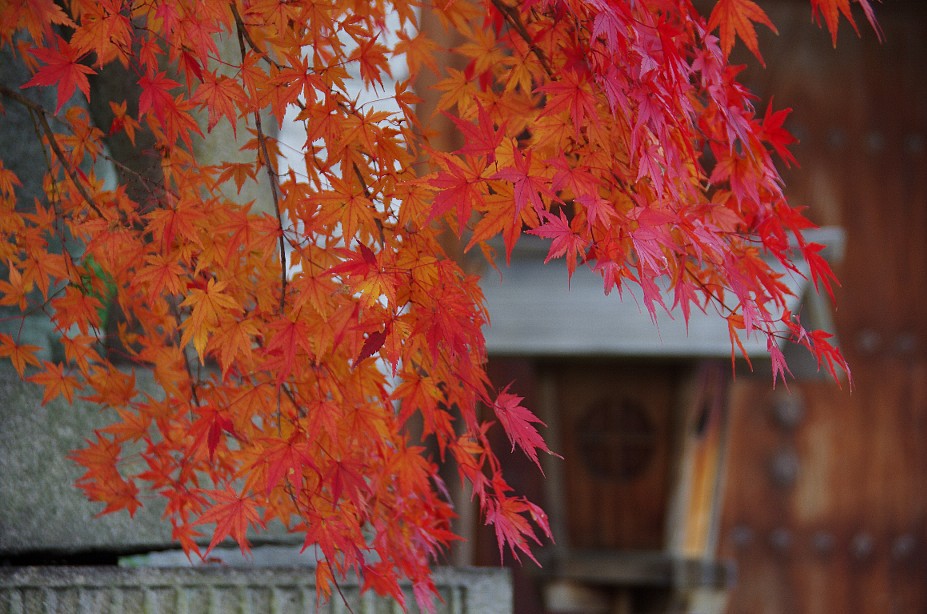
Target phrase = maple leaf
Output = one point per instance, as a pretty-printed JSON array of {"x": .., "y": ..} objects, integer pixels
[
  {"x": 80, "y": 350},
  {"x": 233, "y": 513},
  {"x": 457, "y": 189},
  {"x": 372, "y": 344},
  {"x": 233, "y": 342},
  {"x": 831, "y": 10},
  {"x": 512, "y": 527},
  {"x": 208, "y": 306},
  {"x": 19, "y": 355},
  {"x": 518, "y": 424},
  {"x": 118, "y": 494},
  {"x": 78, "y": 307},
  {"x": 161, "y": 274},
  {"x": 565, "y": 241},
  {"x": 736, "y": 17},
  {"x": 208, "y": 429},
  {"x": 133, "y": 425},
  {"x": 776, "y": 135},
  {"x": 501, "y": 218},
  {"x": 779, "y": 367},
  {"x": 372, "y": 61},
  {"x": 221, "y": 96},
  {"x": 528, "y": 187},
  {"x": 62, "y": 69},
  {"x": 104, "y": 31},
  {"x": 324, "y": 578},
  {"x": 287, "y": 458},
  {"x": 55, "y": 382},
  {"x": 419, "y": 51},
  {"x": 16, "y": 291},
  {"x": 289, "y": 336},
  {"x": 570, "y": 94},
  {"x": 102, "y": 481},
  {"x": 156, "y": 96},
  {"x": 480, "y": 138}
]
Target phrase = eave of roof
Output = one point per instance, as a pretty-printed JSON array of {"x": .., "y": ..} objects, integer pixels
[{"x": 535, "y": 311}]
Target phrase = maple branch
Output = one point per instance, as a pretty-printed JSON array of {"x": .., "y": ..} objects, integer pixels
[
  {"x": 243, "y": 32},
  {"x": 275, "y": 195},
  {"x": 341, "y": 593},
  {"x": 512, "y": 17},
  {"x": 271, "y": 172},
  {"x": 368, "y": 196},
  {"x": 40, "y": 113}
]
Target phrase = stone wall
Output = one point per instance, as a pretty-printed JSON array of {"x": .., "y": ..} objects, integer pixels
[
  {"x": 114, "y": 590},
  {"x": 41, "y": 511}
]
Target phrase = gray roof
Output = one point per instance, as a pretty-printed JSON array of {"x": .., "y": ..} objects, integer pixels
[{"x": 534, "y": 310}]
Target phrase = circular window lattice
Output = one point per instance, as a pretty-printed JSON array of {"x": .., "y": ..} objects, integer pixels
[{"x": 617, "y": 439}]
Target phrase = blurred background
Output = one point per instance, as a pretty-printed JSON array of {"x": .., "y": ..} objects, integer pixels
[{"x": 684, "y": 489}]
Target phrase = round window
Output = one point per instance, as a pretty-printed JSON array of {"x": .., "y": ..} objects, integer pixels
[{"x": 616, "y": 438}]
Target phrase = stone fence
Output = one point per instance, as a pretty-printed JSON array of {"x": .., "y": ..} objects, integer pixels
[{"x": 227, "y": 590}]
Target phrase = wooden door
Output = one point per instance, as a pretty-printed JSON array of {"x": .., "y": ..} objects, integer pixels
[{"x": 826, "y": 506}]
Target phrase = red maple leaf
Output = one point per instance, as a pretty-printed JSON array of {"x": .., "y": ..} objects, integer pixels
[
  {"x": 507, "y": 515},
  {"x": 831, "y": 10},
  {"x": 208, "y": 428},
  {"x": 156, "y": 95},
  {"x": 372, "y": 344},
  {"x": 287, "y": 458},
  {"x": 565, "y": 241},
  {"x": 777, "y": 136},
  {"x": 233, "y": 513},
  {"x": 480, "y": 138},
  {"x": 457, "y": 190},
  {"x": 527, "y": 187},
  {"x": 519, "y": 423},
  {"x": 62, "y": 69}
]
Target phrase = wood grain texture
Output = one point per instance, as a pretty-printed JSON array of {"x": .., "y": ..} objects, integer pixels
[{"x": 848, "y": 533}]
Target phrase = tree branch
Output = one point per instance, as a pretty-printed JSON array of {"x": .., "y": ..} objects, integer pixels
[
  {"x": 41, "y": 113},
  {"x": 271, "y": 172},
  {"x": 514, "y": 19}
]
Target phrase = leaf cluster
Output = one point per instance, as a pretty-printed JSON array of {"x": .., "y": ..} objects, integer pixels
[{"x": 319, "y": 356}]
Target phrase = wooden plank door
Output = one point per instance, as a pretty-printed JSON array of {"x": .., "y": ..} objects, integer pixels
[{"x": 826, "y": 506}]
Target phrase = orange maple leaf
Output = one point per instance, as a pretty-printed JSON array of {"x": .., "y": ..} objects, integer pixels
[
  {"x": 56, "y": 382},
  {"x": 208, "y": 306},
  {"x": 831, "y": 10},
  {"x": 123, "y": 121},
  {"x": 19, "y": 355},
  {"x": 221, "y": 96},
  {"x": 736, "y": 17},
  {"x": 15, "y": 291}
]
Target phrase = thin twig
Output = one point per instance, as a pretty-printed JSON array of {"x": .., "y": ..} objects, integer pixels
[
  {"x": 271, "y": 172},
  {"x": 40, "y": 113},
  {"x": 514, "y": 19},
  {"x": 243, "y": 31}
]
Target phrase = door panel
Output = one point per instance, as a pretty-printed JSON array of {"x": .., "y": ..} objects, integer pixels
[{"x": 827, "y": 493}]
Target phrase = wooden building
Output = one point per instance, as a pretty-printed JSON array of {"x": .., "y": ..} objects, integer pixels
[
  {"x": 639, "y": 411},
  {"x": 676, "y": 475},
  {"x": 826, "y": 498}
]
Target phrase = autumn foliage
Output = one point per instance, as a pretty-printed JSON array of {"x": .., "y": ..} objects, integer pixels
[{"x": 296, "y": 344}]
